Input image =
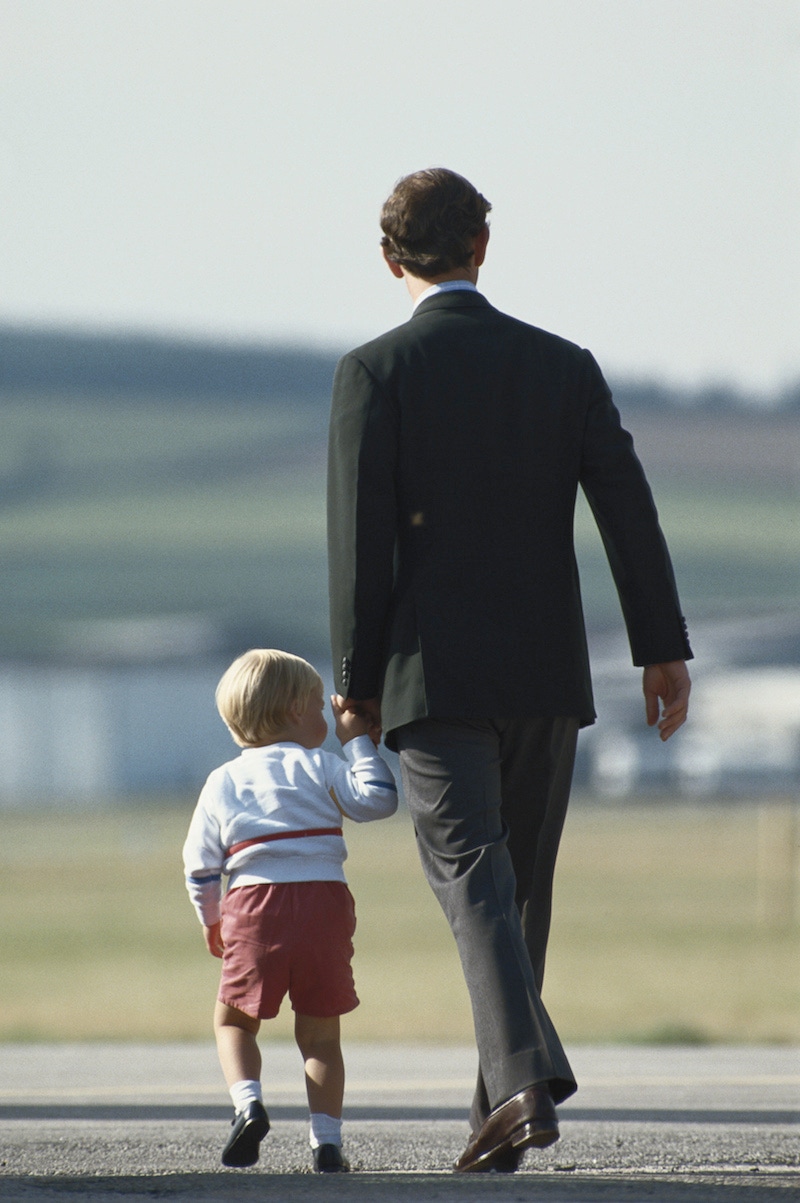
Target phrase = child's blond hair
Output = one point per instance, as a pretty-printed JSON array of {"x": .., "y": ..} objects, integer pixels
[{"x": 255, "y": 695}]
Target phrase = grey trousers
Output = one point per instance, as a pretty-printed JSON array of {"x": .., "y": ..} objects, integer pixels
[{"x": 488, "y": 800}]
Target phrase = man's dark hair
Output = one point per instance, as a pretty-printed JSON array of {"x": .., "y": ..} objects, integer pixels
[{"x": 430, "y": 221}]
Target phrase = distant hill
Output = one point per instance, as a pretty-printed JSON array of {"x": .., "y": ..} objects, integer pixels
[
  {"x": 121, "y": 364},
  {"x": 646, "y": 394}
]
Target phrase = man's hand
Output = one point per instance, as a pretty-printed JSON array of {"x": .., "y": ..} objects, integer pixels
[
  {"x": 666, "y": 691},
  {"x": 368, "y": 712},
  {"x": 213, "y": 938}
]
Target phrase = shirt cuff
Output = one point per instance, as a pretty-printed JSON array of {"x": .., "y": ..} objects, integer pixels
[{"x": 358, "y": 748}]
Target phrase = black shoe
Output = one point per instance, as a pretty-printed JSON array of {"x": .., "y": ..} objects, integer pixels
[
  {"x": 328, "y": 1160},
  {"x": 249, "y": 1129}
]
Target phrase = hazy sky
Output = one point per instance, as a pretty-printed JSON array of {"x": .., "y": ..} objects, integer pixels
[{"x": 216, "y": 167}]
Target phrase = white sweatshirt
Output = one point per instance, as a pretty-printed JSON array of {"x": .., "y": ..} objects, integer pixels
[{"x": 281, "y": 792}]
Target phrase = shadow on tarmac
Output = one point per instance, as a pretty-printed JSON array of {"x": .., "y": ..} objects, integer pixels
[{"x": 402, "y": 1188}]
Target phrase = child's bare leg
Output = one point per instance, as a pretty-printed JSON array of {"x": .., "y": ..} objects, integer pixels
[
  {"x": 240, "y": 1059},
  {"x": 237, "y": 1047},
  {"x": 319, "y": 1044}
]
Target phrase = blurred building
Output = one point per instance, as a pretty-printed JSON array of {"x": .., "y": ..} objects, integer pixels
[
  {"x": 126, "y": 711},
  {"x": 129, "y": 712},
  {"x": 743, "y": 737}
]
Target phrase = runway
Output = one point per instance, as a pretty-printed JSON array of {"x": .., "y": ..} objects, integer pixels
[{"x": 142, "y": 1122}]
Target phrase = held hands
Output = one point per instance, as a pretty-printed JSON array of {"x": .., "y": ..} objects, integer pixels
[
  {"x": 670, "y": 685},
  {"x": 356, "y": 718},
  {"x": 213, "y": 939}
]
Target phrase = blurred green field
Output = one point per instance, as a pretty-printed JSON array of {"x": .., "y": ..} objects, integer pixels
[
  {"x": 735, "y": 550},
  {"x": 657, "y": 933},
  {"x": 157, "y": 505},
  {"x": 142, "y": 506}
]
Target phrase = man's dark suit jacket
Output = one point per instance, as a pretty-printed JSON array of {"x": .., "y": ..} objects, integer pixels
[{"x": 457, "y": 445}]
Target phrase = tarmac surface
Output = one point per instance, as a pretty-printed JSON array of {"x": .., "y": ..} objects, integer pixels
[{"x": 147, "y": 1122}]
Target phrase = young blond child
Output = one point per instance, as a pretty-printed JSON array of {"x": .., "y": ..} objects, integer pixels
[{"x": 271, "y": 821}]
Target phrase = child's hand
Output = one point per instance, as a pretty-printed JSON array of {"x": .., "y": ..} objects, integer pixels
[
  {"x": 356, "y": 718},
  {"x": 213, "y": 938}
]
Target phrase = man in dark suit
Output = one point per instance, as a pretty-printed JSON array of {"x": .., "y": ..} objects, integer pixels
[{"x": 457, "y": 444}]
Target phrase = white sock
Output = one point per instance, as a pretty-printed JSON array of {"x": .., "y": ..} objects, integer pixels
[
  {"x": 325, "y": 1130},
  {"x": 245, "y": 1092}
]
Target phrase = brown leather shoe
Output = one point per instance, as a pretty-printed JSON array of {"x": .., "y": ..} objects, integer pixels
[
  {"x": 525, "y": 1120},
  {"x": 505, "y": 1160}
]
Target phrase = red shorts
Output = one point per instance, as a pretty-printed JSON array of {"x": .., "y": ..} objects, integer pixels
[{"x": 289, "y": 937}]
